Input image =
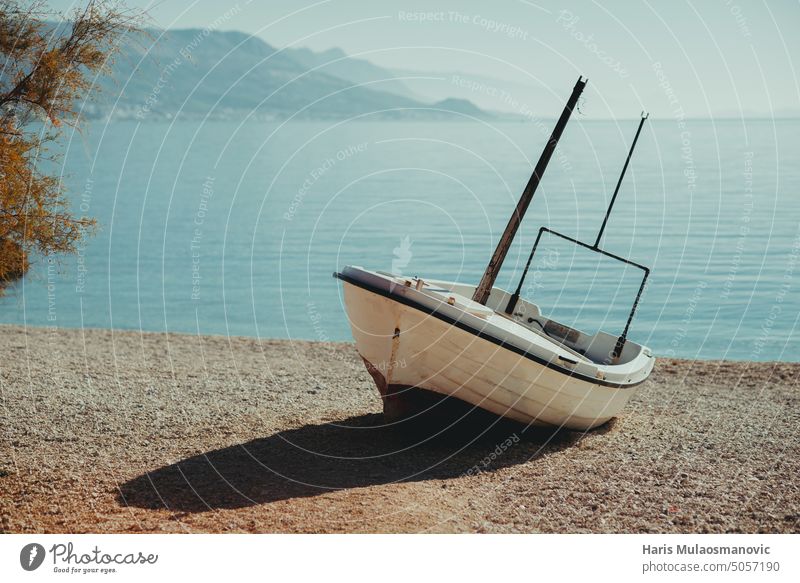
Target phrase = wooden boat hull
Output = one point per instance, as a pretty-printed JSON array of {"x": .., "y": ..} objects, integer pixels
[{"x": 405, "y": 348}]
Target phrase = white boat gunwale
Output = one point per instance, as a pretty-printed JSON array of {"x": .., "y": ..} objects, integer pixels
[{"x": 484, "y": 335}]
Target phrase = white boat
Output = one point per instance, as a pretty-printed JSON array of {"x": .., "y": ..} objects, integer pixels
[
  {"x": 492, "y": 349},
  {"x": 416, "y": 334}
]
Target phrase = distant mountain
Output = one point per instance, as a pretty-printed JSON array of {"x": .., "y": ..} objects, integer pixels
[
  {"x": 198, "y": 72},
  {"x": 337, "y": 63},
  {"x": 463, "y": 106},
  {"x": 500, "y": 96}
]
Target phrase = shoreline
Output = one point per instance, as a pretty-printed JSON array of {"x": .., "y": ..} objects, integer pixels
[
  {"x": 174, "y": 432},
  {"x": 271, "y": 339}
]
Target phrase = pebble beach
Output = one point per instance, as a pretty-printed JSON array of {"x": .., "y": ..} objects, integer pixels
[{"x": 116, "y": 431}]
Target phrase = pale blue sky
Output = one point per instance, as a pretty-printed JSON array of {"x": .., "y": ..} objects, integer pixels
[{"x": 719, "y": 57}]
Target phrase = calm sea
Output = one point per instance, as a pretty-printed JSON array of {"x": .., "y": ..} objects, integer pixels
[{"x": 230, "y": 228}]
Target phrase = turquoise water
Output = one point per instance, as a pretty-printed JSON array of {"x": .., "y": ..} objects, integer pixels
[{"x": 228, "y": 228}]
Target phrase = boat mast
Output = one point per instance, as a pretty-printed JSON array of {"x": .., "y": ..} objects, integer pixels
[{"x": 484, "y": 288}]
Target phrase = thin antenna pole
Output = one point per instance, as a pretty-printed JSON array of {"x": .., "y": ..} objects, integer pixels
[
  {"x": 512, "y": 301},
  {"x": 624, "y": 336},
  {"x": 619, "y": 182},
  {"x": 484, "y": 288}
]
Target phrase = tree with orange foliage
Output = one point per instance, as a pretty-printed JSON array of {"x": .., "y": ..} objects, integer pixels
[{"x": 49, "y": 64}]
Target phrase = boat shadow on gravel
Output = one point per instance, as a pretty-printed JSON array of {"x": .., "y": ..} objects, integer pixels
[{"x": 353, "y": 453}]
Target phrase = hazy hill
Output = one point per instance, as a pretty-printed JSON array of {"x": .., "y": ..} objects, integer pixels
[
  {"x": 337, "y": 63},
  {"x": 197, "y": 72}
]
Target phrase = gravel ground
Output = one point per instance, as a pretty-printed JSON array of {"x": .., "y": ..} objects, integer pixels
[{"x": 109, "y": 431}]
